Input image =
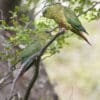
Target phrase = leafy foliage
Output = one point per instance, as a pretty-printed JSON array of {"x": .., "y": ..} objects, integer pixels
[{"x": 26, "y": 33}]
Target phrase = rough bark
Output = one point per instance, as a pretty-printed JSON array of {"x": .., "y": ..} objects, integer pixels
[{"x": 5, "y": 7}]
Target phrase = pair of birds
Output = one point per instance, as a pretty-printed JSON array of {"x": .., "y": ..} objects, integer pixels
[{"x": 65, "y": 18}]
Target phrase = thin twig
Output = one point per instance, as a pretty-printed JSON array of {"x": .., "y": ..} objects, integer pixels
[
  {"x": 50, "y": 31},
  {"x": 33, "y": 80},
  {"x": 88, "y": 9},
  {"x": 20, "y": 72},
  {"x": 4, "y": 80},
  {"x": 48, "y": 56},
  {"x": 30, "y": 22},
  {"x": 50, "y": 42}
]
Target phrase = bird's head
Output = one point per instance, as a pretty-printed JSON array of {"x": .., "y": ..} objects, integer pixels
[
  {"x": 51, "y": 10},
  {"x": 47, "y": 12}
]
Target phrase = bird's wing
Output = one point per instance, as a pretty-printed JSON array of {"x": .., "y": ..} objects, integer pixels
[
  {"x": 29, "y": 50},
  {"x": 73, "y": 20}
]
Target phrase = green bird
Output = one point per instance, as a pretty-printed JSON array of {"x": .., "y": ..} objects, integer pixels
[
  {"x": 32, "y": 48},
  {"x": 37, "y": 43},
  {"x": 65, "y": 18}
]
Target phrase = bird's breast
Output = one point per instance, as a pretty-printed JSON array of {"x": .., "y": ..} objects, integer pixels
[
  {"x": 65, "y": 25},
  {"x": 62, "y": 24}
]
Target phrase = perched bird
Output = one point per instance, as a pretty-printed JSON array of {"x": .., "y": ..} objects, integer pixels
[
  {"x": 38, "y": 41},
  {"x": 32, "y": 48},
  {"x": 66, "y": 18}
]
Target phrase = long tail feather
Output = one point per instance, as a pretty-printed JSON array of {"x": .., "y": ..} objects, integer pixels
[{"x": 84, "y": 37}]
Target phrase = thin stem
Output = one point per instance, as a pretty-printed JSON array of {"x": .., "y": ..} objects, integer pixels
[
  {"x": 34, "y": 78},
  {"x": 88, "y": 9}
]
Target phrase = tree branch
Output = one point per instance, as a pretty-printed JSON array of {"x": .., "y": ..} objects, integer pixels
[
  {"x": 33, "y": 80},
  {"x": 36, "y": 57},
  {"x": 40, "y": 53},
  {"x": 89, "y": 9},
  {"x": 20, "y": 72}
]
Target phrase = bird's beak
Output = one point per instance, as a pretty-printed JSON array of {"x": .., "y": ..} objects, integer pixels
[{"x": 82, "y": 34}]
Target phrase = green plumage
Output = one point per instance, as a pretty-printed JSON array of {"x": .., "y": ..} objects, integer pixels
[
  {"x": 56, "y": 12},
  {"x": 33, "y": 47},
  {"x": 37, "y": 43},
  {"x": 66, "y": 18},
  {"x": 73, "y": 20}
]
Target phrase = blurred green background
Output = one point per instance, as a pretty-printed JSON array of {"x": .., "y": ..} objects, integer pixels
[{"x": 75, "y": 71}]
